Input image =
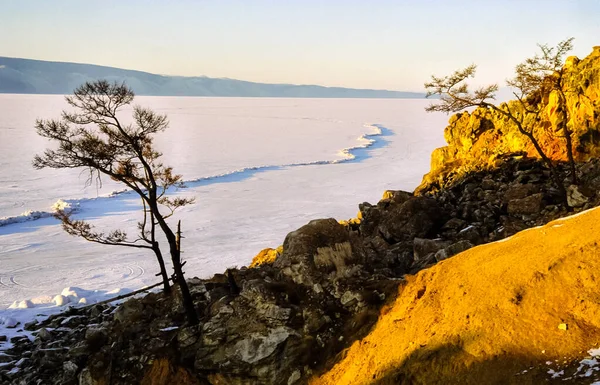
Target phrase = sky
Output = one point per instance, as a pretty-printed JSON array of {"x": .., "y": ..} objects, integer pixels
[{"x": 380, "y": 44}]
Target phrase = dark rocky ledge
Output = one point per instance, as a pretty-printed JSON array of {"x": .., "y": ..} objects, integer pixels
[{"x": 283, "y": 322}]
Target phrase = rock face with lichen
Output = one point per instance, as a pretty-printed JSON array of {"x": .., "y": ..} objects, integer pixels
[{"x": 478, "y": 140}]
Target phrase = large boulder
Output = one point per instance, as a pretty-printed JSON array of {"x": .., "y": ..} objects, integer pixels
[
  {"x": 423, "y": 247},
  {"x": 416, "y": 217},
  {"x": 317, "y": 248},
  {"x": 574, "y": 197}
]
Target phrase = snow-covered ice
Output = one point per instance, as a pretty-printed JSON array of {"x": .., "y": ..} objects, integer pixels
[{"x": 258, "y": 168}]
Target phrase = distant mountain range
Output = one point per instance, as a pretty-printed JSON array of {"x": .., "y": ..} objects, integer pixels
[{"x": 26, "y": 76}]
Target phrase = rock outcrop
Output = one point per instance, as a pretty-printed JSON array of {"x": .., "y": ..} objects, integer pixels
[
  {"x": 478, "y": 140},
  {"x": 523, "y": 311},
  {"x": 288, "y": 318}
]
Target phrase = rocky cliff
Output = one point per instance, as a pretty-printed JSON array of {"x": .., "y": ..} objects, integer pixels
[
  {"x": 479, "y": 139},
  {"x": 362, "y": 301},
  {"x": 291, "y": 317}
]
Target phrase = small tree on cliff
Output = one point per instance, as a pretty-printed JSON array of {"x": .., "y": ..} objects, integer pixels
[
  {"x": 534, "y": 79},
  {"x": 92, "y": 137}
]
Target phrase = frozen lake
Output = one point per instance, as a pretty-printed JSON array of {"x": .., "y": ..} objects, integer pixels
[{"x": 259, "y": 168}]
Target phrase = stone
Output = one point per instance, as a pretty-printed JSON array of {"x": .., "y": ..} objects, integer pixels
[
  {"x": 470, "y": 233},
  {"x": 454, "y": 224},
  {"x": 3, "y": 338},
  {"x": 574, "y": 196},
  {"x": 423, "y": 247},
  {"x": 399, "y": 258},
  {"x": 257, "y": 347},
  {"x": 563, "y": 326},
  {"x": 44, "y": 335},
  {"x": 190, "y": 335},
  {"x": 30, "y": 325},
  {"x": 96, "y": 310},
  {"x": 129, "y": 311},
  {"x": 452, "y": 250},
  {"x": 96, "y": 337},
  {"x": 424, "y": 262},
  {"x": 488, "y": 184},
  {"x": 69, "y": 371},
  {"x": 526, "y": 206},
  {"x": 314, "y": 320},
  {"x": 85, "y": 378},
  {"x": 519, "y": 191},
  {"x": 349, "y": 299},
  {"x": 416, "y": 217},
  {"x": 396, "y": 196},
  {"x": 325, "y": 238},
  {"x": 317, "y": 288},
  {"x": 295, "y": 377}
]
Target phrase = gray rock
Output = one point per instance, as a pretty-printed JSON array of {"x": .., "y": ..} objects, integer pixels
[
  {"x": 257, "y": 346},
  {"x": 96, "y": 310},
  {"x": 69, "y": 371},
  {"x": 423, "y": 247},
  {"x": 129, "y": 311},
  {"x": 454, "y": 224},
  {"x": 30, "y": 325},
  {"x": 520, "y": 191},
  {"x": 417, "y": 217},
  {"x": 85, "y": 378},
  {"x": 471, "y": 234},
  {"x": 452, "y": 250},
  {"x": 188, "y": 336},
  {"x": 349, "y": 299},
  {"x": 313, "y": 239},
  {"x": 96, "y": 337},
  {"x": 526, "y": 206},
  {"x": 296, "y": 375},
  {"x": 44, "y": 335},
  {"x": 488, "y": 184},
  {"x": 574, "y": 197}
]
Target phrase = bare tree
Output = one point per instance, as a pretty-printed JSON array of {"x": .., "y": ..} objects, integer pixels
[
  {"x": 93, "y": 137},
  {"x": 538, "y": 76},
  {"x": 534, "y": 78}
]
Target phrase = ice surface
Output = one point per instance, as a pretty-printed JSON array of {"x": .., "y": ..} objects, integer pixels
[{"x": 258, "y": 168}]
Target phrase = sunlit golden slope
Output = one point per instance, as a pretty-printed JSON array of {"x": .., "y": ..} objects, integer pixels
[{"x": 489, "y": 313}]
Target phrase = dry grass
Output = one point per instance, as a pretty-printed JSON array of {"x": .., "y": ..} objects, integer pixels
[{"x": 336, "y": 256}]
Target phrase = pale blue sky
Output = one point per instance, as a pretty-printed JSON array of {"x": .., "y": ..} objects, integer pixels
[{"x": 369, "y": 44}]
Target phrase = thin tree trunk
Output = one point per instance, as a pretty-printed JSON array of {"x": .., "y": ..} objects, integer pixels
[
  {"x": 175, "y": 252},
  {"x": 163, "y": 269},
  {"x": 158, "y": 253},
  {"x": 188, "y": 302},
  {"x": 567, "y": 134}
]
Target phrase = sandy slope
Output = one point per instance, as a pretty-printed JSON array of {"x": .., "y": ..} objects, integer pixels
[{"x": 490, "y": 314}]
